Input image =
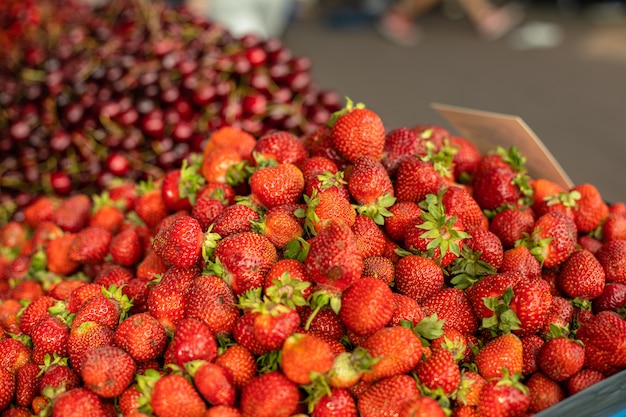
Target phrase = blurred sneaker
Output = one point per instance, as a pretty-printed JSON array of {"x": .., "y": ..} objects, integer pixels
[
  {"x": 398, "y": 29},
  {"x": 499, "y": 22}
]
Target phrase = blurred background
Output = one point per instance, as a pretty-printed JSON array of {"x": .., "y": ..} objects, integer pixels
[{"x": 567, "y": 80}]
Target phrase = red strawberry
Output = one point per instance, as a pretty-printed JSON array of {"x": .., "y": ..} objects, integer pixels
[
  {"x": 611, "y": 256},
  {"x": 240, "y": 363},
  {"x": 469, "y": 390},
  {"x": 166, "y": 301},
  {"x": 366, "y": 306},
  {"x": 84, "y": 337},
  {"x": 400, "y": 144},
  {"x": 396, "y": 349},
  {"x": 466, "y": 158},
  {"x": 439, "y": 371},
  {"x": 275, "y": 186},
  {"x": 304, "y": 354},
  {"x": 590, "y": 210},
  {"x": 613, "y": 298},
  {"x": 333, "y": 260},
  {"x": 27, "y": 384},
  {"x": 282, "y": 146},
  {"x": 357, "y": 131},
  {"x": 34, "y": 312},
  {"x": 211, "y": 300},
  {"x": 531, "y": 345},
  {"x": 496, "y": 188},
  {"x": 126, "y": 247},
  {"x": 78, "y": 402},
  {"x": 422, "y": 407},
  {"x": 141, "y": 336},
  {"x": 269, "y": 395},
  {"x": 150, "y": 206},
  {"x": 175, "y": 396},
  {"x": 502, "y": 352},
  {"x": 229, "y": 136},
  {"x": 520, "y": 260},
  {"x": 481, "y": 255},
  {"x": 7, "y": 388},
  {"x": 107, "y": 213},
  {"x": 234, "y": 219},
  {"x": 192, "y": 340},
  {"x": 544, "y": 392},
  {"x": 72, "y": 215},
  {"x": 339, "y": 403},
  {"x": 418, "y": 277},
  {"x": 403, "y": 214},
  {"x": 605, "y": 333},
  {"x": 560, "y": 358},
  {"x": 180, "y": 244},
  {"x": 150, "y": 266},
  {"x": 405, "y": 308},
  {"x": 39, "y": 211},
  {"x": 180, "y": 186},
  {"x": 107, "y": 308},
  {"x": 416, "y": 179},
  {"x": 379, "y": 267},
  {"x": 459, "y": 202},
  {"x": 319, "y": 143},
  {"x": 206, "y": 210},
  {"x": 531, "y": 304},
  {"x": 280, "y": 225},
  {"x": 581, "y": 276},
  {"x": 49, "y": 336},
  {"x": 56, "y": 374},
  {"x": 553, "y": 238},
  {"x": 58, "y": 259},
  {"x": 107, "y": 371},
  {"x": 387, "y": 396},
  {"x": 510, "y": 225},
  {"x": 326, "y": 205},
  {"x": 243, "y": 259},
  {"x": 453, "y": 306},
  {"x": 212, "y": 381},
  {"x": 583, "y": 379},
  {"x": 505, "y": 397},
  {"x": 613, "y": 228},
  {"x": 369, "y": 237},
  {"x": 218, "y": 164},
  {"x": 371, "y": 187}
]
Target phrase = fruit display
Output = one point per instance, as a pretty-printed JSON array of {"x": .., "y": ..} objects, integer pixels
[
  {"x": 130, "y": 89},
  {"x": 353, "y": 270}
]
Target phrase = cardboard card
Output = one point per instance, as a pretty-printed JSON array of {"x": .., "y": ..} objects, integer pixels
[{"x": 487, "y": 130}]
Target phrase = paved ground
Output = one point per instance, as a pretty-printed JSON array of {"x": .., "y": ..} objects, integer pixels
[{"x": 573, "y": 95}]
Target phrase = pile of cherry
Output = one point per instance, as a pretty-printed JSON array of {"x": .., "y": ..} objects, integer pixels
[
  {"x": 130, "y": 89},
  {"x": 349, "y": 271}
]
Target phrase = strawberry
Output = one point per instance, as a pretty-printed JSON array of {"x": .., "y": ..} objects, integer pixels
[
  {"x": 56, "y": 373},
  {"x": 319, "y": 143},
  {"x": 107, "y": 371},
  {"x": 503, "y": 352},
  {"x": 27, "y": 384},
  {"x": 459, "y": 202},
  {"x": 78, "y": 402},
  {"x": 107, "y": 308},
  {"x": 531, "y": 304},
  {"x": 611, "y": 255},
  {"x": 544, "y": 392},
  {"x": 604, "y": 334},
  {"x": 496, "y": 188},
  {"x": 192, "y": 340},
  {"x": 234, "y": 219},
  {"x": 370, "y": 186},
  {"x": 174, "y": 396},
  {"x": 357, "y": 131},
  {"x": 222, "y": 411},
  {"x": 403, "y": 214},
  {"x": 418, "y": 277},
  {"x": 243, "y": 259},
  {"x": 481, "y": 255},
  {"x": 73, "y": 213},
  {"x": 141, "y": 336},
  {"x": 326, "y": 205},
  {"x": 504, "y": 397},
  {"x": 211, "y": 300},
  {"x": 212, "y": 381},
  {"x": 468, "y": 393},
  {"x": 400, "y": 144},
  {"x": 431, "y": 135},
  {"x": 366, "y": 306},
  {"x": 520, "y": 260},
  {"x": 405, "y": 308},
  {"x": 590, "y": 210},
  {"x": 180, "y": 186},
  {"x": 40, "y": 210},
  {"x": 379, "y": 267},
  {"x": 510, "y": 225},
  {"x": 206, "y": 209},
  {"x": 416, "y": 179},
  {"x": 269, "y": 395},
  {"x": 150, "y": 206},
  {"x": 560, "y": 358},
  {"x": 466, "y": 158},
  {"x": 166, "y": 301},
  {"x": 243, "y": 333},
  {"x": 454, "y": 307},
  {"x": 396, "y": 349},
  {"x": 7, "y": 388},
  {"x": 280, "y": 225},
  {"x": 282, "y": 146},
  {"x": 339, "y": 403},
  {"x": 150, "y": 266},
  {"x": 303, "y": 355},
  {"x": 111, "y": 274},
  {"x": 90, "y": 245},
  {"x": 275, "y": 186},
  {"x": 590, "y": 243},
  {"x": 439, "y": 371},
  {"x": 286, "y": 277},
  {"x": 613, "y": 228},
  {"x": 58, "y": 259},
  {"x": 217, "y": 163},
  {"x": 369, "y": 237},
  {"x": 583, "y": 379},
  {"x": 581, "y": 276},
  {"x": 84, "y": 337},
  {"x": 613, "y": 297},
  {"x": 49, "y": 336},
  {"x": 180, "y": 244},
  {"x": 107, "y": 213},
  {"x": 553, "y": 238},
  {"x": 239, "y": 362},
  {"x": 34, "y": 312},
  {"x": 126, "y": 247},
  {"x": 531, "y": 345},
  {"x": 387, "y": 396},
  {"x": 230, "y": 136},
  {"x": 333, "y": 260}
]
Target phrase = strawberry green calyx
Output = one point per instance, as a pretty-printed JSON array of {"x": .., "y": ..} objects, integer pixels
[
  {"x": 328, "y": 179},
  {"x": 192, "y": 367},
  {"x": 442, "y": 159},
  {"x": 104, "y": 200},
  {"x": 209, "y": 244},
  {"x": 49, "y": 362},
  {"x": 468, "y": 269},
  {"x": 557, "y": 331},
  {"x": 378, "y": 210},
  {"x": 50, "y": 393},
  {"x": 297, "y": 248},
  {"x": 439, "y": 227},
  {"x": 503, "y": 320},
  {"x": 145, "y": 385},
  {"x": 348, "y": 367},
  {"x": 319, "y": 299},
  {"x": 269, "y": 361},
  {"x": 438, "y": 395},
  {"x": 318, "y": 388},
  {"x": 537, "y": 246},
  {"x": 114, "y": 293},
  {"x": 429, "y": 328},
  {"x": 240, "y": 173},
  {"x": 568, "y": 199},
  {"x": 59, "y": 309},
  {"x": 512, "y": 157},
  {"x": 512, "y": 381},
  {"x": 310, "y": 217},
  {"x": 191, "y": 180},
  {"x": 287, "y": 291},
  {"x": 348, "y": 108},
  {"x": 23, "y": 339}
]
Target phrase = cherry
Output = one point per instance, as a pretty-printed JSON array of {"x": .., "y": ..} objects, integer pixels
[
  {"x": 117, "y": 164},
  {"x": 60, "y": 182}
]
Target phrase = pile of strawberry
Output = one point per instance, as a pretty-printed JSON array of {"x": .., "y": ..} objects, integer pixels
[{"x": 353, "y": 271}]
